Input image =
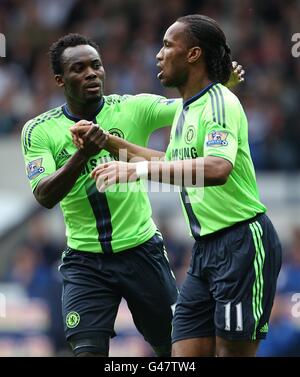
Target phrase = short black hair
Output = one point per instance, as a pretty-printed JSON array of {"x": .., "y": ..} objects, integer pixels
[
  {"x": 58, "y": 47},
  {"x": 205, "y": 32}
]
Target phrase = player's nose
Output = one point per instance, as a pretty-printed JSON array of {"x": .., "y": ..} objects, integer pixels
[
  {"x": 90, "y": 73},
  {"x": 159, "y": 54}
]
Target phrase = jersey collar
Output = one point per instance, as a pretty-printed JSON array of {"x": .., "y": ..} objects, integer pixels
[
  {"x": 70, "y": 116},
  {"x": 187, "y": 102}
]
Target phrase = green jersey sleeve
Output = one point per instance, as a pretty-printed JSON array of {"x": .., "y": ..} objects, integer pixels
[
  {"x": 38, "y": 157},
  {"x": 157, "y": 111},
  {"x": 222, "y": 125}
]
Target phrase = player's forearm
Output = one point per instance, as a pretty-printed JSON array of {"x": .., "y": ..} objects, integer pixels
[
  {"x": 126, "y": 151},
  {"x": 208, "y": 171},
  {"x": 51, "y": 190}
]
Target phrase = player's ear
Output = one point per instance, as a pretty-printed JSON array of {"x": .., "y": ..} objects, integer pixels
[
  {"x": 194, "y": 54},
  {"x": 59, "y": 80}
]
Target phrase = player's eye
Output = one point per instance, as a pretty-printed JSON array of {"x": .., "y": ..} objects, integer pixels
[
  {"x": 77, "y": 68},
  {"x": 96, "y": 65}
]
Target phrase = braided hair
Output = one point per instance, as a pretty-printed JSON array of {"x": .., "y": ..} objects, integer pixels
[{"x": 204, "y": 32}]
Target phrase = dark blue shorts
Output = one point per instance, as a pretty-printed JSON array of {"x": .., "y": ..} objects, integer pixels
[
  {"x": 94, "y": 284},
  {"x": 231, "y": 283}
]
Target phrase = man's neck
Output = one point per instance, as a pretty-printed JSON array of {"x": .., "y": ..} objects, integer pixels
[
  {"x": 193, "y": 86},
  {"x": 84, "y": 111}
]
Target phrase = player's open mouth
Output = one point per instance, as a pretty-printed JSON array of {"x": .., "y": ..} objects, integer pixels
[
  {"x": 93, "y": 88},
  {"x": 160, "y": 75}
]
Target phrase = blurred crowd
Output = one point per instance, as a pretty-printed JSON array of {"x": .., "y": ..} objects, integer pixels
[{"x": 129, "y": 33}]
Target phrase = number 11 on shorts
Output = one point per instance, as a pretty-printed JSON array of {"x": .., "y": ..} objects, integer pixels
[{"x": 239, "y": 316}]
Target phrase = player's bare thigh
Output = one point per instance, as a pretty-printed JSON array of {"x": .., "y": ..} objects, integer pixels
[
  {"x": 210, "y": 347},
  {"x": 236, "y": 348},
  {"x": 195, "y": 347}
]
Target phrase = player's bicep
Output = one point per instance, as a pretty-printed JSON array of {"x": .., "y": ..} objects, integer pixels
[
  {"x": 222, "y": 132},
  {"x": 220, "y": 142}
]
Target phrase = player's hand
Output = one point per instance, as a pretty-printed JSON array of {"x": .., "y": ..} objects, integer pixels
[
  {"x": 88, "y": 137},
  {"x": 237, "y": 75},
  {"x": 114, "y": 172},
  {"x": 79, "y": 129}
]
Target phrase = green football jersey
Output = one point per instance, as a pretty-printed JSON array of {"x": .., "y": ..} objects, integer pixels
[
  {"x": 98, "y": 222},
  {"x": 213, "y": 123}
]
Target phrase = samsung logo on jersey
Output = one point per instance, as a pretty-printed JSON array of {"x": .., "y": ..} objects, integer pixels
[
  {"x": 93, "y": 162},
  {"x": 183, "y": 153}
]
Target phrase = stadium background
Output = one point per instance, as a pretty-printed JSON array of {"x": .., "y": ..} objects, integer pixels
[{"x": 129, "y": 33}]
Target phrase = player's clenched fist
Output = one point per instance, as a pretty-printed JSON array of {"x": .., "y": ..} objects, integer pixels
[{"x": 88, "y": 137}]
